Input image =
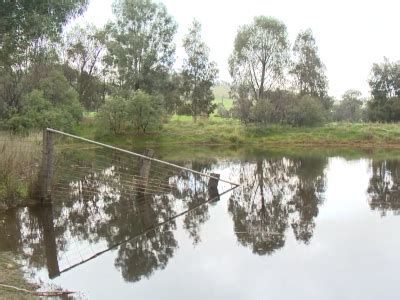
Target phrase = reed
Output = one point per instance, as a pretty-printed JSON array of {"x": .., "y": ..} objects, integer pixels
[{"x": 19, "y": 167}]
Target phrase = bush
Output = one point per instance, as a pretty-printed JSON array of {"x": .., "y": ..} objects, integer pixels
[
  {"x": 384, "y": 110},
  {"x": 350, "y": 108},
  {"x": 112, "y": 115},
  {"x": 242, "y": 110},
  {"x": 138, "y": 110},
  {"x": 306, "y": 111},
  {"x": 55, "y": 104},
  {"x": 145, "y": 111},
  {"x": 222, "y": 111}
]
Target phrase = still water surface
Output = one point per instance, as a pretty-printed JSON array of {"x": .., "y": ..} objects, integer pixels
[{"x": 304, "y": 227}]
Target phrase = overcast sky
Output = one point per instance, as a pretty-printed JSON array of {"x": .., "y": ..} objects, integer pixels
[{"x": 351, "y": 35}]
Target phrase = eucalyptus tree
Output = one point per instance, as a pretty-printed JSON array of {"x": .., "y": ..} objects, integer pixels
[
  {"x": 384, "y": 82},
  {"x": 27, "y": 28},
  {"x": 81, "y": 52},
  {"x": 198, "y": 74},
  {"x": 384, "y": 79},
  {"x": 259, "y": 58},
  {"x": 350, "y": 108},
  {"x": 24, "y": 23},
  {"x": 308, "y": 69},
  {"x": 140, "y": 48}
]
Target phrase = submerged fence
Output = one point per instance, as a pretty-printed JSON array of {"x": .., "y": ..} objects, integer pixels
[
  {"x": 102, "y": 197},
  {"x": 46, "y": 175}
]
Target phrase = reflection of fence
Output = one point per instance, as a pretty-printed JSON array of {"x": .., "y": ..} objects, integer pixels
[{"x": 102, "y": 197}]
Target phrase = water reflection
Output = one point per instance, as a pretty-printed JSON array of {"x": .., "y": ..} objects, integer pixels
[
  {"x": 277, "y": 193},
  {"x": 384, "y": 187},
  {"x": 132, "y": 209}
]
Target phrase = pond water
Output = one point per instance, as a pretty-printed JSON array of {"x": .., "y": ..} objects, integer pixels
[{"x": 299, "y": 226}]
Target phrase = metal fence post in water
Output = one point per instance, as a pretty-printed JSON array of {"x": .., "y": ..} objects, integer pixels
[{"x": 46, "y": 173}]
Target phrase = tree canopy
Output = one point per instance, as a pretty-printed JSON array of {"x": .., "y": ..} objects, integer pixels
[
  {"x": 260, "y": 56},
  {"x": 384, "y": 82},
  {"x": 198, "y": 73},
  {"x": 308, "y": 69},
  {"x": 140, "y": 48}
]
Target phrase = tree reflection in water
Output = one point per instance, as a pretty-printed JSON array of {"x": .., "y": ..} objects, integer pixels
[
  {"x": 96, "y": 206},
  {"x": 277, "y": 193},
  {"x": 384, "y": 187}
]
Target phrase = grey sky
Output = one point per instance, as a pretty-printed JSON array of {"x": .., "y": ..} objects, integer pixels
[{"x": 351, "y": 35}]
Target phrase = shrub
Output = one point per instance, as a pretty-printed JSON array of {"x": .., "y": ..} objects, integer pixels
[
  {"x": 138, "y": 110},
  {"x": 222, "y": 111},
  {"x": 242, "y": 110},
  {"x": 306, "y": 111},
  {"x": 350, "y": 108},
  {"x": 55, "y": 104},
  {"x": 39, "y": 112},
  {"x": 112, "y": 115},
  {"x": 145, "y": 111},
  {"x": 384, "y": 110}
]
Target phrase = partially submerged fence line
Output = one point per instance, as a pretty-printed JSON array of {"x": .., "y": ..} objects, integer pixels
[{"x": 48, "y": 154}]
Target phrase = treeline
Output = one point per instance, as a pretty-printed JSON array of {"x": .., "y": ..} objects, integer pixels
[
  {"x": 124, "y": 71},
  {"x": 276, "y": 83}
]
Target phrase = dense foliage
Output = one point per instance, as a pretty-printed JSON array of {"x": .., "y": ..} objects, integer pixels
[
  {"x": 384, "y": 82},
  {"x": 198, "y": 74},
  {"x": 139, "y": 110}
]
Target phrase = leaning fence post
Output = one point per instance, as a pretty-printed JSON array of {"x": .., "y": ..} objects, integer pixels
[
  {"x": 213, "y": 186},
  {"x": 145, "y": 165},
  {"x": 46, "y": 173}
]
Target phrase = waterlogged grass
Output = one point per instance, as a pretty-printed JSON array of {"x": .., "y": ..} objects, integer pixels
[
  {"x": 19, "y": 165},
  {"x": 220, "y": 131},
  {"x": 11, "y": 274}
]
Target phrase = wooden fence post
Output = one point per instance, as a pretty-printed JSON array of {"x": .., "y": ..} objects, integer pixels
[
  {"x": 213, "y": 187},
  {"x": 144, "y": 171},
  {"x": 46, "y": 174}
]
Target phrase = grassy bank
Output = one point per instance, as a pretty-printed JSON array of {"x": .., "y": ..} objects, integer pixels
[
  {"x": 11, "y": 275},
  {"x": 19, "y": 165},
  {"x": 217, "y": 131}
]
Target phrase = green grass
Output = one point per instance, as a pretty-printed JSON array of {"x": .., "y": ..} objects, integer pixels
[{"x": 219, "y": 131}]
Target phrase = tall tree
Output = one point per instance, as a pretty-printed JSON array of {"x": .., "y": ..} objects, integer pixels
[
  {"x": 384, "y": 82},
  {"x": 198, "y": 74},
  {"x": 308, "y": 69},
  {"x": 26, "y": 27},
  {"x": 260, "y": 57},
  {"x": 141, "y": 48},
  {"x": 82, "y": 50},
  {"x": 350, "y": 108}
]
